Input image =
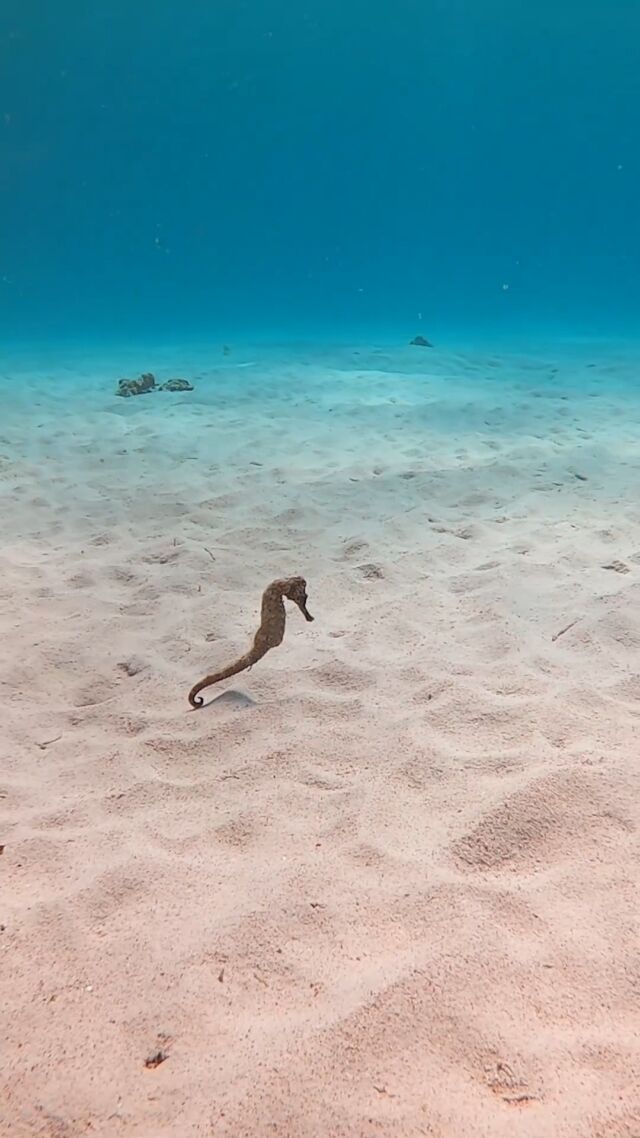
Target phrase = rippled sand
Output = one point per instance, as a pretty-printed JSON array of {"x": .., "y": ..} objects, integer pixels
[{"x": 386, "y": 883}]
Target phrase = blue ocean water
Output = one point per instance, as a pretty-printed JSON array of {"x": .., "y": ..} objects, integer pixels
[{"x": 342, "y": 169}]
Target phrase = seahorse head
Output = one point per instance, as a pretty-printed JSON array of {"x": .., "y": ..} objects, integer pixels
[{"x": 296, "y": 590}]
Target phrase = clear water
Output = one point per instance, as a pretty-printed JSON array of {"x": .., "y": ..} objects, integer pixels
[
  {"x": 319, "y": 169},
  {"x": 385, "y": 882}
]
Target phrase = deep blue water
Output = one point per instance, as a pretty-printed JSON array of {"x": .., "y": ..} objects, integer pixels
[{"x": 282, "y": 168}]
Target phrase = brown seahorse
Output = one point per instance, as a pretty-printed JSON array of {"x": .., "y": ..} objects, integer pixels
[{"x": 269, "y": 635}]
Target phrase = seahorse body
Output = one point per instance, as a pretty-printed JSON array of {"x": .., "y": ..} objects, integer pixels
[{"x": 269, "y": 635}]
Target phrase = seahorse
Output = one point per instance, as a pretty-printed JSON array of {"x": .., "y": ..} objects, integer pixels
[{"x": 269, "y": 635}]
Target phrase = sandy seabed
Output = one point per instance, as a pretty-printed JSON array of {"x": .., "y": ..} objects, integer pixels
[{"x": 386, "y": 883}]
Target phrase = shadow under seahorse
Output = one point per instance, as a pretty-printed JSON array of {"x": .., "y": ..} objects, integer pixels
[{"x": 269, "y": 635}]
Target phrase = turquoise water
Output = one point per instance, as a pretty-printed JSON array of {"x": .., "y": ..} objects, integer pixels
[
  {"x": 385, "y": 882},
  {"x": 348, "y": 170}
]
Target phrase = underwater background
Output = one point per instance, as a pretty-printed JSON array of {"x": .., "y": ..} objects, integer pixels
[
  {"x": 346, "y": 292},
  {"x": 327, "y": 170}
]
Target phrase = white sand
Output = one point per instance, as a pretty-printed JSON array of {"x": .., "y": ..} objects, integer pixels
[{"x": 386, "y": 883}]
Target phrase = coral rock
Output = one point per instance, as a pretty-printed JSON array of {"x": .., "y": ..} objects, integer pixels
[
  {"x": 129, "y": 387},
  {"x": 177, "y": 385}
]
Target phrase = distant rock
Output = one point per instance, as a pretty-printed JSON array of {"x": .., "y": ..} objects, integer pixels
[
  {"x": 129, "y": 387},
  {"x": 147, "y": 382},
  {"x": 177, "y": 385},
  {"x": 420, "y": 342}
]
